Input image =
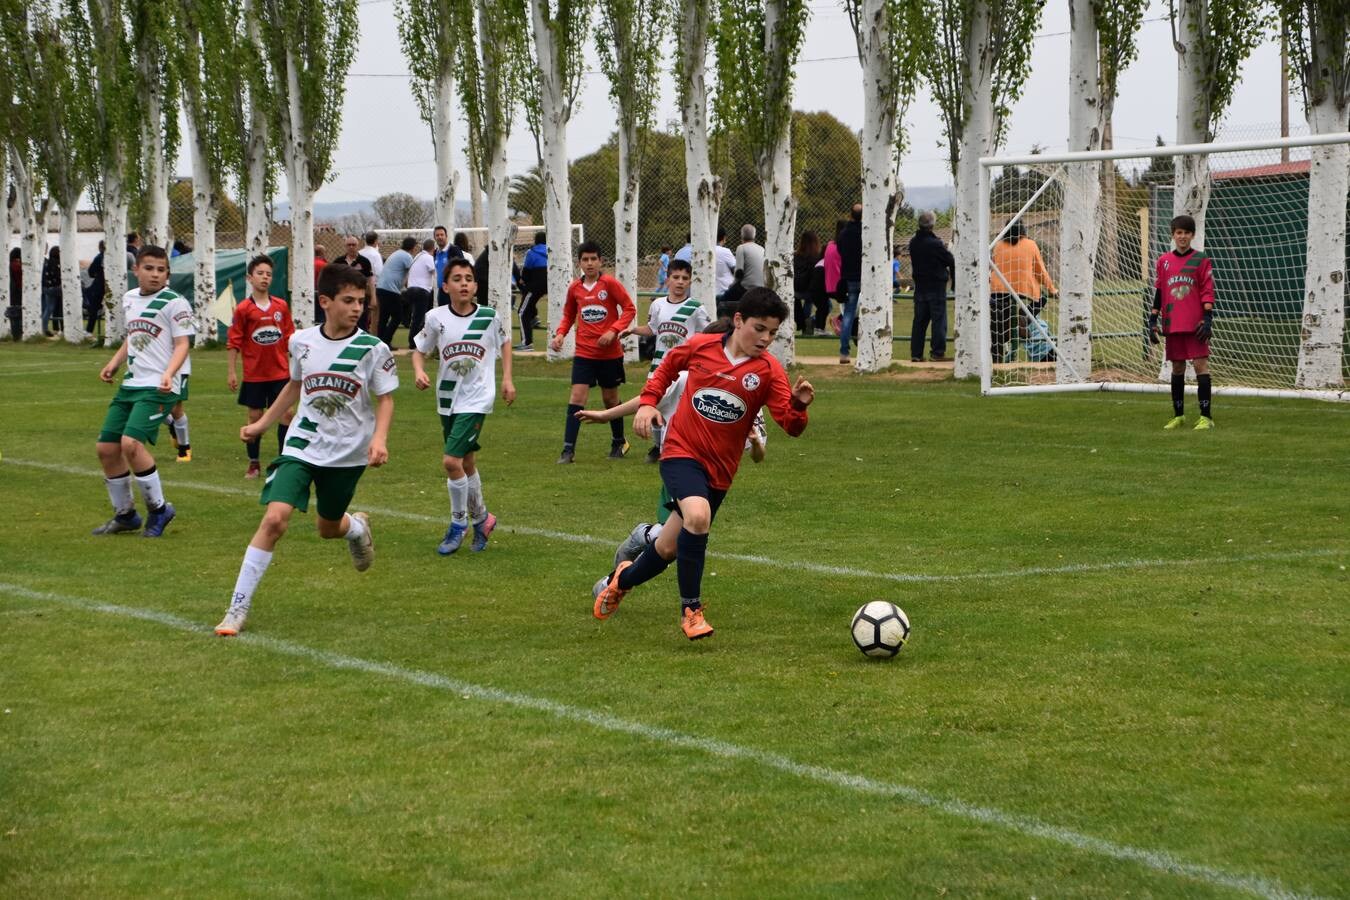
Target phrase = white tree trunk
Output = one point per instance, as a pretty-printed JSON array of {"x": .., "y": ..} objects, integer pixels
[
  {"x": 475, "y": 196},
  {"x": 554, "y": 114},
  {"x": 301, "y": 198},
  {"x": 780, "y": 221},
  {"x": 72, "y": 297},
  {"x": 442, "y": 128},
  {"x": 1080, "y": 228},
  {"x": 32, "y": 243},
  {"x": 705, "y": 188},
  {"x": 880, "y": 190},
  {"x": 156, "y": 165},
  {"x": 626, "y": 219},
  {"x": 204, "y": 214},
  {"x": 1321, "y": 350},
  {"x": 1191, "y": 194},
  {"x": 8, "y": 219},
  {"x": 115, "y": 204},
  {"x": 967, "y": 240},
  {"x": 501, "y": 234},
  {"x": 257, "y": 208}
]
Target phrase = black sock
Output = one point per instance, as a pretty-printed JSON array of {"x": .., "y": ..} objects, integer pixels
[
  {"x": 616, "y": 430},
  {"x": 1178, "y": 394},
  {"x": 647, "y": 566},
  {"x": 692, "y": 548},
  {"x": 1202, "y": 386},
  {"x": 282, "y": 428},
  {"x": 253, "y": 448},
  {"x": 573, "y": 427}
]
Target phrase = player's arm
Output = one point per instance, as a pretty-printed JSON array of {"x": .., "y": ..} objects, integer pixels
[
  {"x": 378, "y": 454},
  {"x": 788, "y": 405},
  {"x": 285, "y": 400},
  {"x": 234, "y": 339},
  {"x": 623, "y": 410},
  {"x": 569, "y": 313},
  {"x": 627, "y": 313},
  {"x": 1204, "y": 330},
  {"x": 672, "y": 364},
  {"x": 180, "y": 355},
  {"x": 420, "y": 379},
  {"x": 109, "y": 371},
  {"x": 508, "y": 385}
]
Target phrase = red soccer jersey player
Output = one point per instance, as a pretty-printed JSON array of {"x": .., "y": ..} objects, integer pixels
[
  {"x": 730, "y": 379},
  {"x": 602, "y": 310},
  {"x": 1183, "y": 311},
  {"x": 261, "y": 329}
]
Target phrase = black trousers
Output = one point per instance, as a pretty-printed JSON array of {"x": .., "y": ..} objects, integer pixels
[
  {"x": 529, "y": 316},
  {"x": 393, "y": 312},
  {"x": 418, "y": 301},
  {"x": 1001, "y": 308}
]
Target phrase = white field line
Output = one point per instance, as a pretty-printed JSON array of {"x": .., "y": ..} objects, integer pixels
[
  {"x": 790, "y": 565},
  {"x": 1158, "y": 860},
  {"x": 92, "y": 366}
]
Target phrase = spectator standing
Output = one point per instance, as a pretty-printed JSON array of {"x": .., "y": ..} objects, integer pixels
[
  {"x": 462, "y": 242},
  {"x": 533, "y": 286},
  {"x": 357, "y": 260},
  {"x": 390, "y": 285},
  {"x": 804, "y": 261},
  {"x": 1018, "y": 259},
  {"x": 749, "y": 260},
  {"x": 850, "y": 273},
  {"x": 320, "y": 260},
  {"x": 662, "y": 267},
  {"x": 52, "y": 309},
  {"x": 724, "y": 264},
  {"x": 933, "y": 267},
  {"x": 686, "y": 252},
  {"x": 93, "y": 294},
  {"x": 15, "y": 275},
  {"x": 481, "y": 268},
  {"x": 421, "y": 288},
  {"x": 445, "y": 251},
  {"x": 133, "y": 247},
  {"x": 371, "y": 253},
  {"x": 831, "y": 265}
]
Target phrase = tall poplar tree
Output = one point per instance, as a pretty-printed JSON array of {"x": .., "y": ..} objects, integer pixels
[
  {"x": 151, "y": 29},
  {"x": 694, "y": 25},
  {"x": 428, "y": 32}
]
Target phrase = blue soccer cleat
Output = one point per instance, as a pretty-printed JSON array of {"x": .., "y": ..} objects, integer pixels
[
  {"x": 156, "y": 522},
  {"x": 454, "y": 536},
  {"x": 481, "y": 531}
]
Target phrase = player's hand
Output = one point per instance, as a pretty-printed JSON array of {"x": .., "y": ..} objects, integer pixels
[
  {"x": 377, "y": 455},
  {"x": 802, "y": 392},
  {"x": 555, "y": 343},
  {"x": 108, "y": 373},
  {"x": 646, "y": 417},
  {"x": 232, "y": 382},
  {"x": 1205, "y": 330},
  {"x": 166, "y": 384},
  {"x": 606, "y": 339},
  {"x": 251, "y": 432},
  {"x": 1153, "y": 328},
  {"x": 509, "y": 392},
  {"x": 594, "y": 416},
  {"x": 422, "y": 381}
]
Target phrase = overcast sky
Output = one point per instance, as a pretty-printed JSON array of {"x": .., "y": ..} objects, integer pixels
[{"x": 386, "y": 147}]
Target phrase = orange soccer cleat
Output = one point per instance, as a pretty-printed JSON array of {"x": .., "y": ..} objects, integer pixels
[
  {"x": 609, "y": 595},
  {"x": 694, "y": 625}
]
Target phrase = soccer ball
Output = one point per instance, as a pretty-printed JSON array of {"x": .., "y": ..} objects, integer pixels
[{"x": 880, "y": 628}]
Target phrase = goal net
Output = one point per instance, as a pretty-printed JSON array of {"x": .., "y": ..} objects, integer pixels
[{"x": 1099, "y": 222}]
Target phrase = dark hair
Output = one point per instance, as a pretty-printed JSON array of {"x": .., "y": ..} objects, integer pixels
[
  {"x": 262, "y": 259},
  {"x": 334, "y": 278},
  {"x": 540, "y": 238},
  {"x": 1016, "y": 231},
  {"x": 132, "y": 238},
  {"x": 456, "y": 262},
  {"x": 721, "y": 326},
  {"x": 1183, "y": 223},
  {"x": 150, "y": 251},
  {"x": 408, "y": 243},
  {"x": 721, "y": 232},
  {"x": 762, "y": 303},
  {"x": 665, "y": 248},
  {"x": 856, "y": 212},
  {"x": 15, "y": 253},
  {"x": 680, "y": 265},
  {"x": 54, "y": 253},
  {"x": 320, "y": 253},
  {"x": 371, "y": 238},
  {"x": 808, "y": 244},
  {"x": 440, "y": 228},
  {"x": 589, "y": 247},
  {"x": 461, "y": 240}
]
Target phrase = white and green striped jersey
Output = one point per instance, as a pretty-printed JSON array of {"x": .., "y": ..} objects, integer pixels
[
  {"x": 153, "y": 322},
  {"x": 466, "y": 349},
  {"x": 673, "y": 324},
  {"x": 339, "y": 381}
]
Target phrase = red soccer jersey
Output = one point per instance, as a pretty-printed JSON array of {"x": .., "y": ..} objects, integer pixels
[
  {"x": 262, "y": 336},
  {"x": 604, "y": 306},
  {"x": 1186, "y": 284},
  {"x": 720, "y": 401}
]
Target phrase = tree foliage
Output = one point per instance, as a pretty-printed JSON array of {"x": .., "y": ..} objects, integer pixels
[
  {"x": 1318, "y": 32},
  {"x": 1117, "y": 24},
  {"x": 427, "y": 31},
  {"x": 906, "y": 24},
  {"x": 630, "y": 56},
  {"x": 1230, "y": 30},
  {"x": 400, "y": 210},
  {"x": 205, "y": 56},
  {"x": 150, "y": 24},
  {"x": 489, "y": 67},
  {"x": 569, "y": 22},
  {"x": 754, "y": 86}
]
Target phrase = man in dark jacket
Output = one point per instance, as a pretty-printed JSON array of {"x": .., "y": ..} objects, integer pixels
[
  {"x": 933, "y": 266},
  {"x": 533, "y": 286},
  {"x": 849, "y": 243}
]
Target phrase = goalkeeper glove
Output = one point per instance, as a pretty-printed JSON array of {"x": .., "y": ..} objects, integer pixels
[
  {"x": 1153, "y": 327},
  {"x": 1205, "y": 330}
]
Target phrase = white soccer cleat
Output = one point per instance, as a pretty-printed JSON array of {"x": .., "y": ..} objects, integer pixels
[
  {"x": 633, "y": 545},
  {"x": 234, "y": 620},
  {"x": 363, "y": 550}
]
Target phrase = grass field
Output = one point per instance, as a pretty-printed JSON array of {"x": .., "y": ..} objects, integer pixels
[{"x": 1129, "y": 674}]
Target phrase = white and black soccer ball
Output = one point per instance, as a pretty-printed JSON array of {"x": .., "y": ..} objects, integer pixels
[{"x": 880, "y": 628}]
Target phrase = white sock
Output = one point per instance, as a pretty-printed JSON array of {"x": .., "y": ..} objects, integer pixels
[
  {"x": 355, "y": 530},
  {"x": 180, "y": 429},
  {"x": 119, "y": 492},
  {"x": 657, "y": 433},
  {"x": 459, "y": 500},
  {"x": 477, "y": 508},
  {"x": 653, "y": 532},
  {"x": 250, "y": 573},
  {"x": 151, "y": 490}
]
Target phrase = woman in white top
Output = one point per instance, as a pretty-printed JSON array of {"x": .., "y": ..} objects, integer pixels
[{"x": 421, "y": 291}]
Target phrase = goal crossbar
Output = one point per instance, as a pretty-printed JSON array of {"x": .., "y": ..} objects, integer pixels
[{"x": 1032, "y": 159}]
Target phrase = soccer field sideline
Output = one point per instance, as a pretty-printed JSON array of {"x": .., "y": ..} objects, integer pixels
[
  {"x": 1158, "y": 860},
  {"x": 816, "y": 568}
]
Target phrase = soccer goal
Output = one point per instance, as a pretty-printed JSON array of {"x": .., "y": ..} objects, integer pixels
[
  {"x": 1099, "y": 221},
  {"x": 478, "y": 236}
]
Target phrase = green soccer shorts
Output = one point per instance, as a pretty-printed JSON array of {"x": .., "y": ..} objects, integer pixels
[
  {"x": 289, "y": 479},
  {"x": 136, "y": 413},
  {"x": 461, "y": 433}
]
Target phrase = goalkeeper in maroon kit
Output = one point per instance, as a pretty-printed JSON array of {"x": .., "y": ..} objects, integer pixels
[
  {"x": 730, "y": 379},
  {"x": 1183, "y": 311}
]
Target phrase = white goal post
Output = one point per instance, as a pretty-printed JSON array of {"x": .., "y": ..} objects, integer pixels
[{"x": 1100, "y": 220}]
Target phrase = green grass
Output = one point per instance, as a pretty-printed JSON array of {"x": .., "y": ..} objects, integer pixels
[{"x": 1192, "y": 701}]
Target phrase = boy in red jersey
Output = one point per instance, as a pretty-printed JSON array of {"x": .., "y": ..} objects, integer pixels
[
  {"x": 1185, "y": 280},
  {"x": 261, "y": 329},
  {"x": 602, "y": 310},
  {"x": 730, "y": 379}
]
